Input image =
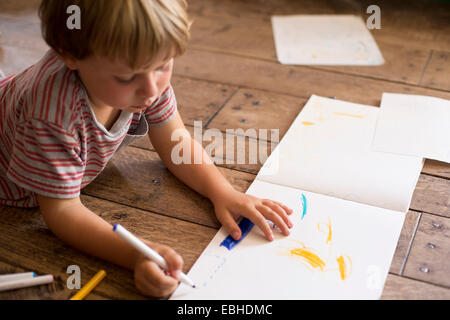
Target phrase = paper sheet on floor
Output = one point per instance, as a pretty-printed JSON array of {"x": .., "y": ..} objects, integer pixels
[
  {"x": 324, "y": 40},
  {"x": 414, "y": 125}
]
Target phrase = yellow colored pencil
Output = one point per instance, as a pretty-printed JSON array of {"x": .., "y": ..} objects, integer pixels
[{"x": 88, "y": 287}]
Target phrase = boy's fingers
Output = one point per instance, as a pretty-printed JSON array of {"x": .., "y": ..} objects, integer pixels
[
  {"x": 230, "y": 225},
  {"x": 285, "y": 208},
  {"x": 275, "y": 218},
  {"x": 257, "y": 218},
  {"x": 282, "y": 213},
  {"x": 159, "y": 278},
  {"x": 173, "y": 259},
  {"x": 152, "y": 281}
]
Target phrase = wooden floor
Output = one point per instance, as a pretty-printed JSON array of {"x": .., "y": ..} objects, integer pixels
[{"x": 230, "y": 78}]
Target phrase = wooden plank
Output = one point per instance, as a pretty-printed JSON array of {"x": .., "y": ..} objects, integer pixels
[
  {"x": 401, "y": 288},
  {"x": 437, "y": 168},
  {"x": 436, "y": 74},
  {"x": 225, "y": 159},
  {"x": 292, "y": 80},
  {"x": 430, "y": 252},
  {"x": 404, "y": 241},
  {"x": 420, "y": 22},
  {"x": 256, "y": 109},
  {"x": 26, "y": 240},
  {"x": 19, "y": 8},
  {"x": 200, "y": 100},
  {"x": 225, "y": 34},
  {"x": 139, "y": 178},
  {"x": 432, "y": 195}
]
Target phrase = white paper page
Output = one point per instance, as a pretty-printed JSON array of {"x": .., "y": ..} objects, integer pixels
[
  {"x": 337, "y": 250},
  {"x": 324, "y": 40},
  {"x": 327, "y": 150},
  {"x": 414, "y": 125}
]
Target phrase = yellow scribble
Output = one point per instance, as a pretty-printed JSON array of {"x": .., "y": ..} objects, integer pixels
[
  {"x": 348, "y": 115},
  {"x": 307, "y": 123},
  {"x": 308, "y": 256},
  {"x": 343, "y": 270},
  {"x": 329, "y": 232}
]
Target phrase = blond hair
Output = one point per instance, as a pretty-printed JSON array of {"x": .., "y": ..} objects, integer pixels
[{"x": 140, "y": 32}]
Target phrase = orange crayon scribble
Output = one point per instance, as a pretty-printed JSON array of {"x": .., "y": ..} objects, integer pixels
[
  {"x": 307, "y": 256},
  {"x": 348, "y": 115},
  {"x": 307, "y": 123},
  {"x": 329, "y": 232},
  {"x": 343, "y": 270}
]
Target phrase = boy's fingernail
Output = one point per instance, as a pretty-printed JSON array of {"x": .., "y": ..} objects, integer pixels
[
  {"x": 177, "y": 274},
  {"x": 235, "y": 235}
]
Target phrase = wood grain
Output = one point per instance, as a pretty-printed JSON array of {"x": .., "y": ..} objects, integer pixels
[
  {"x": 419, "y": 22},
  {"x": 297, "y": 81},
  {"x": 430, "y": 252},
  {"x": 432, "y": 195},
  {"x": 436, "y": 74},
  {"x": 200, "y": 100},
  {"x": 401, "y": 288},
  {"x": 404, "y": 242},
  {"x": 402, "y": 63}
]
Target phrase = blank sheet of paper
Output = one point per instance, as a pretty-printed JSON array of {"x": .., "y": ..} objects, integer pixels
[
  {"x": 328, "y": 150},
  {"x": 324, "y": 40},
  {"x": 337, "y": 249},
  {"x": 414, "y": 125}
]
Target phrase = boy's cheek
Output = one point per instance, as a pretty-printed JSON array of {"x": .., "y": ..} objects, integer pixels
[{"x": 118, "y": 97}]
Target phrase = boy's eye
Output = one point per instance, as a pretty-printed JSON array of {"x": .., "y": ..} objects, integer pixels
[{"x": 129, "y": 80}]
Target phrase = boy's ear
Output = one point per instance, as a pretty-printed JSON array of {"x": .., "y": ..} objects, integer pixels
[{"x": 68, "y": 60}]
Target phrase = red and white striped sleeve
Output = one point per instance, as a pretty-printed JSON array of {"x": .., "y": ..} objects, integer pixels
[
  {"x": 46, "y": 160},
  {"x": 163, "y": 109}
]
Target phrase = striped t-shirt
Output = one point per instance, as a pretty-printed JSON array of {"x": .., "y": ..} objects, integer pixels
[{"x": 50, "y": 140}]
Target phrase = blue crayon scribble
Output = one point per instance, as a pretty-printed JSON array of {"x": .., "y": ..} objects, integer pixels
[
  {"x": 304, "y": 205},
  {"x": 245, "y": 225}
]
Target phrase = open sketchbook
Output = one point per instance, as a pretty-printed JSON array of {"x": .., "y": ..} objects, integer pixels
[{"x": 349, "y": 205}]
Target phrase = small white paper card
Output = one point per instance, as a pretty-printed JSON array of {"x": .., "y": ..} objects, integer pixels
[
  {"x": 414, "y": 125},
  {"x": 324, "y": 40}
]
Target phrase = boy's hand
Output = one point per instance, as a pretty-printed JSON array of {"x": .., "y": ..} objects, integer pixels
[
  {"x": 232, "y": 204},
  {"x": 150, "y": 279}
]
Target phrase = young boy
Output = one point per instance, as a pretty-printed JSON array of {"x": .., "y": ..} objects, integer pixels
[{"x": 95, "y": 90}]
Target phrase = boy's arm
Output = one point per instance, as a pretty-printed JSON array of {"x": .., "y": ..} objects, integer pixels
[
  {"x": 206, "y": 179},
  {"x": 78, "y": 226}
]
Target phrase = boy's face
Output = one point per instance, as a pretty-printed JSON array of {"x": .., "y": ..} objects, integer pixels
[{"x": 117, "y": 86}]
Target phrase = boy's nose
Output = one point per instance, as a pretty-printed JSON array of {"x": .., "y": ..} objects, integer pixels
[{"x": 148, "y": 89}]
